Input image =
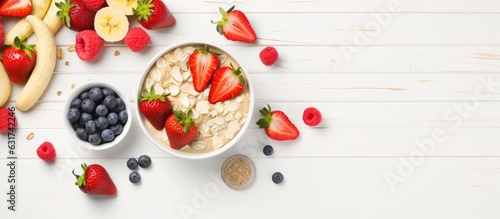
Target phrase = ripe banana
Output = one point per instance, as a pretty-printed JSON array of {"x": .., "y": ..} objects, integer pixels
[
  {"x": 111, "y": 24},
  {"x": 4, "y": 86},
  {"x": 44, "y": 67},
  {"x": 125, "y": 6},
  {"x": 51, "y": 18},
  {"x": 23, "y": 29}
]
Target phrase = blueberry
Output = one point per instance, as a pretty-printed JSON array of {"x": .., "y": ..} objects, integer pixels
[
  {"x": 123, "y": 116},
  {"x": 268, "y": 150},
  {"x": 73, "y": 115},
  {"x": 110, "y": 102},
  {"x": 108, "y": 92},
  {"x": 112, "y": 118},
  {"x": 95, "y": 139},
  {"x": 120, "y": 105},
  {"x": 132, "y": 163},
  {"x": 107, "y": 135},
  {"x": 90, "y": 127},
  {"x": 134, "y": 177},
  {"x": 76, "y": 103},
  {"x": 117, "y": 129},
  {"x": 82, "y": 134},
  {"x": 84, "y": 95},
  {"x": 101, "y": 110},
  {"x": 88, "y": 105},
  {"x": 75, "y": 125},
  {"x": 278, "y": 178},
  {"x": 95, "y": 94},
  {"x": 84, "y": 118},
  {"x": 144, "y": 161},
  {"x": 102, "y": 123}
]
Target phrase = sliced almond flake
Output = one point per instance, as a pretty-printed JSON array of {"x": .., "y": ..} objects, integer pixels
[
  {"x": 199, "y": 97},
  {"x": 228, "y": 134},
  {"x": 182, "y": 66},
  {"x": 219, "y": 107},
  {"x": 169, "y": 59},
  {"x": 71, "y": 48},
  {"x": 176, "y": 74},
  {"x": 161, "y": 63},
  {"x": 192, "y": 101},
  {"x": 157, "y": 75},
  {"x": 177, "y": 53},
  {"x": 159, "y": 89},
  {"x": 174, "y": 90},
  {"x": 30, "y": 136},
  {"x": 189, "y": 49},
  {"x": 186, "y": 74},
  {"x": 205, "y": 128},
  {"x": 213, "y": 113},
  {"x": 164, "y": 136},
  {"x": 185, "y": 148},
  {"x": 149, "y": 82},
  {"x": 192, "y": 91},
  {"x": 239, "y": 98},
  {"x": 229, "y": 117},
  {"x": 202, "y": 107},
  {"x": 225, "y": 112},
  {"x": 199, "y": 145},
  {"x": 226, "y": 102},
  {"x": 184, "y": 56},
  {"x": 232, "y": 107},
  {"x": 196, "y": 114},
  {"x": 210, "y": 122},
  {"x": 190, "y": 79},
  {"x": 238, "y": 115},
  {"x": 243, "y": 120},
  {"x": 217, "y": 142},
  {"x": 219, "y": 121},
  {"x": 206, "y": 92},
  {"x": 233, "y": 126},
  {"x": 184, "y": 100}
]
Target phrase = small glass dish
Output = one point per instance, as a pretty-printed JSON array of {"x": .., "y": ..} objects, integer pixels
[{"x": 238, "y": 172}]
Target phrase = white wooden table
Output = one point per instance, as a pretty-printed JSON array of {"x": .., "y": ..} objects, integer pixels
[{"x": 409, "y": 91}]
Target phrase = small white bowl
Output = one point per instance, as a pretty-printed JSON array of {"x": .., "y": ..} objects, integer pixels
[
  {"x": 180, "y": 153},
  {"x": 75, "y": 93}
]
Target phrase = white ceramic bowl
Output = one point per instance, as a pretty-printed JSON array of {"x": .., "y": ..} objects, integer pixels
[
  {"x": 163, "y": 145},
  {"x": 74, "y": 94}
]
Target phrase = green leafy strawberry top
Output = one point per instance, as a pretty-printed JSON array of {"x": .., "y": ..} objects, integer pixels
[
  {"x": 151, "y": 95},
  {"x": 224, "y": 19},
  {"x": 184, "y": 119}
]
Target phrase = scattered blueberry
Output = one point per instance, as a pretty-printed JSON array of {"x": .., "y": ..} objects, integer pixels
[
  {"x": 112, "y": 118},
  {"x": 101, "y": 110},
  {"x": 108, "y": 92},
  {"x": 90, "y": 127},
  {"x": 81, "y": 134},
  {"x": 123, "y": 116},
  {"x": 132, "y": 163},
  {"x": 107, "y": 135},
  {"x": 110, "y": 102},
  {"x": 144, "y": 161},
  {"x": 117, "y": 129},
  {"x": 96, "y": 94},
  {"x": 268, "y": 150},
  {"x": 73, "y": 115},
  {"x": 134, "y": 177},
  {"x": 84, "y": 95},
  {"x": 278, "y": 178},
  {"x": 88, "y": 105},
  {"x": 76, "y": 103},
  {"x": 84, "y": 118},
  {"x": 120, "y": 105},
  {"x": 102, "y": 123},
  {"x": 95, "y": 139}
]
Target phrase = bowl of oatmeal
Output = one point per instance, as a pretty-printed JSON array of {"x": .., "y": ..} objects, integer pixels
[{"x": 220, "y": 125}]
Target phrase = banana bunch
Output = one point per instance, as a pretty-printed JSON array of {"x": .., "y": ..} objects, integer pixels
[{"x": 42, "y": 9}]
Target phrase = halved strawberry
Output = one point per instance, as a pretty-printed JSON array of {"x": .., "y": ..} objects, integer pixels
[
  {"x": 203, "y": 64},
  {"x": 226, "y": 84},
  {"x": 235, "y": 26},
  {"x": 277, "y": 125},
  {"x": 15, "y": 8}
]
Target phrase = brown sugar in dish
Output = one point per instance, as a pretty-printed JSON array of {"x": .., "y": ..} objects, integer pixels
[{"x": 237, "y": 172}]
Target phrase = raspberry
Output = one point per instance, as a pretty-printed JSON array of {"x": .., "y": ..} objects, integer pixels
[
  {"x": 136, "y": 39},
  {"x": 311, "y": 116},
  {"x": 46, "y": 151},
  {"x": 94, "y": 5},
  {"x": 88, "y": 44},
  {"x": 268, "y": 55},
  {"x": 4, "y": 119}
]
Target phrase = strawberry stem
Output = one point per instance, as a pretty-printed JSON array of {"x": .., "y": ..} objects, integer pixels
[
  {"x": 151, "y": 95},
  {"x": 143, "y": 10},
  {"x": 80, "y": 179},
  {"x": 184, "y": 119},
  {"x": 267, "y": 120},
  {"x": 63, "y": 13},
  {"x": 224, "y": 19}
]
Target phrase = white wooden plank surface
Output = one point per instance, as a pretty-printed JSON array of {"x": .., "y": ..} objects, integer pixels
[{"x": 385, "y": 81}]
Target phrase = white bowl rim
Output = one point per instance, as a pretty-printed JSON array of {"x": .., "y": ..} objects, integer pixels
[
  {"x": 77, "y": 91},
  {"x": 179, "y": 153}
]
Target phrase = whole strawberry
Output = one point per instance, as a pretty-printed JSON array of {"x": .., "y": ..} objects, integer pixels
[
  {"x": 75, "y": 15},
  {"x": 7, "y": 120},
  {"x": 235, "y": 26},
  {"x": 95, "y": 180},
  {"x": 94, "y": 5},
  {"x": 19, "y": 60},
  {"x": 277, "y": 125},
  {"x": 153, "y": 14},
  {"x": 156, "y": 108},
  {"x": 180, "y": 128}
]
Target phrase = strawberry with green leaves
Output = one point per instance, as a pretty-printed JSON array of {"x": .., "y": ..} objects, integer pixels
[
  {"x": 277, "y": 125},
  {"x": 15, "y": 8},
  {"x": 180, "y": 129},
  {"x": 202, "y": 64},
  {"x": 153, "y": 14},
  {"x": 155, "y": 107},
  {"x": 75, "y": 15},
  {"x": 19, "y": 61},
  {"x": 95, "y": 180},
  {"x": 227, "y": 83},
  {"x": 235, "y": 26}
]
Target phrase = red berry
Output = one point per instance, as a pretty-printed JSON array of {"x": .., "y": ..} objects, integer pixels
[
  {"x": 311, "y": 116},
  {"x": 268, "y": 55},
  {"x": 137, "y": 39},
  {"x": 94, "y": 5},
  {"x": 46, "y": 151},
  {"x": 4, "y": 119},
  {"x": 88, "y": 45},
  {"x": 2, "y": 35}
]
